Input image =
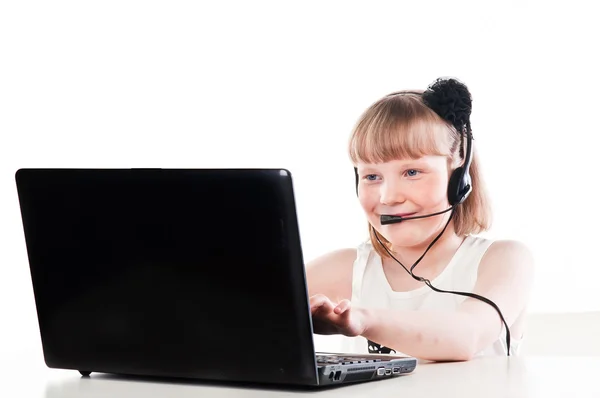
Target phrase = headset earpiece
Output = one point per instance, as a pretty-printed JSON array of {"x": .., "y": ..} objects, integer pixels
[{"x": 459, "y": 186}]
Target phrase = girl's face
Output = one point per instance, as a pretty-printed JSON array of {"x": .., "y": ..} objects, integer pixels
[{"x": 406, "y": 188}]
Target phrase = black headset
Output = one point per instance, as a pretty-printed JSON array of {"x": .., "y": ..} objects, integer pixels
[{"x": 459, "y": 188}]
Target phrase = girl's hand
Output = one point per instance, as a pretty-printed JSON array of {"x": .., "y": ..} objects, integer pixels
[{"x": 329, "y": 318}]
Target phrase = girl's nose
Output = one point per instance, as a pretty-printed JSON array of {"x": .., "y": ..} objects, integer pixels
[{"x": 391, "y": 193}]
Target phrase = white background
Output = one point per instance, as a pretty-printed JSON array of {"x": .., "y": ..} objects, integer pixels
[{"x": 280, "y": 84}]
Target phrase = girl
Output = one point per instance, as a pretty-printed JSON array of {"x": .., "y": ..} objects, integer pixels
[{"x": 413, "y": 159}]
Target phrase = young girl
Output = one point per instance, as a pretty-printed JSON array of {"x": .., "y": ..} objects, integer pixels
[{"x": 386, "y": 296}]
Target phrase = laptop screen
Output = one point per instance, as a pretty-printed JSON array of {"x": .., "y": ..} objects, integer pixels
[{"x": 165, "y": 269}]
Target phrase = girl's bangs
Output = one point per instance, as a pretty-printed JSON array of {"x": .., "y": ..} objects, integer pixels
[{"x": 393, "y": 133}]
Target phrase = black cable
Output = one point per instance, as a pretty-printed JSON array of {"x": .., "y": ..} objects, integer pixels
[{"x": 428, "y": 283}]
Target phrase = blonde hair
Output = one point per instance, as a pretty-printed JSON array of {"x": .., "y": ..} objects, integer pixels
[{"x": 401, "y": 126}]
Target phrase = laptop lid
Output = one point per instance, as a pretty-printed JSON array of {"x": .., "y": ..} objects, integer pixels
[{"x": 169, "y": 272}]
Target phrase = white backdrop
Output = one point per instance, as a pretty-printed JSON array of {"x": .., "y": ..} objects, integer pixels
[{"x": 280, "y": 84}]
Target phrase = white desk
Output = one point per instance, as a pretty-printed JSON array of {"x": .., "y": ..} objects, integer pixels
[{"x": 27, "y": 376}]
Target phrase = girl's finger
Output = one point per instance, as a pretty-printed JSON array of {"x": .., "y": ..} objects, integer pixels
[
  {"x": 342, "y": 307},
  {"x": 320, "y": 302}
]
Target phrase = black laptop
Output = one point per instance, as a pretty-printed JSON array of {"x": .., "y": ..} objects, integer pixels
[{"x": 177, "y": 273}]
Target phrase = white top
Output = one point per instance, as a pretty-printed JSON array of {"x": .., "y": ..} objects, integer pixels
[{"x": 371, "y": 289}]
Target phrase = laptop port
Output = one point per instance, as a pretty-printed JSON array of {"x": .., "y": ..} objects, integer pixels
[
  {"x": 380, "y": 371},
  {"x": 396, "y": 370},
  {"x": 388, "y": 371},
  {"x": 338, "y": 374}
]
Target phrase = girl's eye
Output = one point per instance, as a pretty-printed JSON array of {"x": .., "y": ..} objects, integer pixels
[
  {"x": 370, "y": 177},
  {"x": 412, "y": 172}
]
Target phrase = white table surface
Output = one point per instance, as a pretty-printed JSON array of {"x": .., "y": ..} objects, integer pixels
[{"x": 25, "y": 375}]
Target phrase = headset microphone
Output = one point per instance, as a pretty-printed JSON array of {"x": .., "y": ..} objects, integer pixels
[{"x": 386, "y": 219}]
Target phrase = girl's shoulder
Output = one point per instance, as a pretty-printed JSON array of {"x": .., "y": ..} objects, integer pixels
[
  {"x": 493, "y": 248},
  {"x": 507, "y": 260},
  {"x": 508, "y": 249}
]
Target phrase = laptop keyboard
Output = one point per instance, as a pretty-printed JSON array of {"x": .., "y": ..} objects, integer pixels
[{"x": 344, "y": 360}]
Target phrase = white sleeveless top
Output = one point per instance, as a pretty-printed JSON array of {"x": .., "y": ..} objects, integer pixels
[{"x": 371, "y": 289}]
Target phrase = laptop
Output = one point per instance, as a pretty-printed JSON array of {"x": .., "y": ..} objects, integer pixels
[{"x": 177, "y": 273}]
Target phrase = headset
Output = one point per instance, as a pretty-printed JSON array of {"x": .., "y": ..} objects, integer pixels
[{"x": 459, "y": 189}]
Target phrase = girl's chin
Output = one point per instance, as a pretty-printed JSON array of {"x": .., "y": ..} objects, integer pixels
[{"x": 406, "y": 238}]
